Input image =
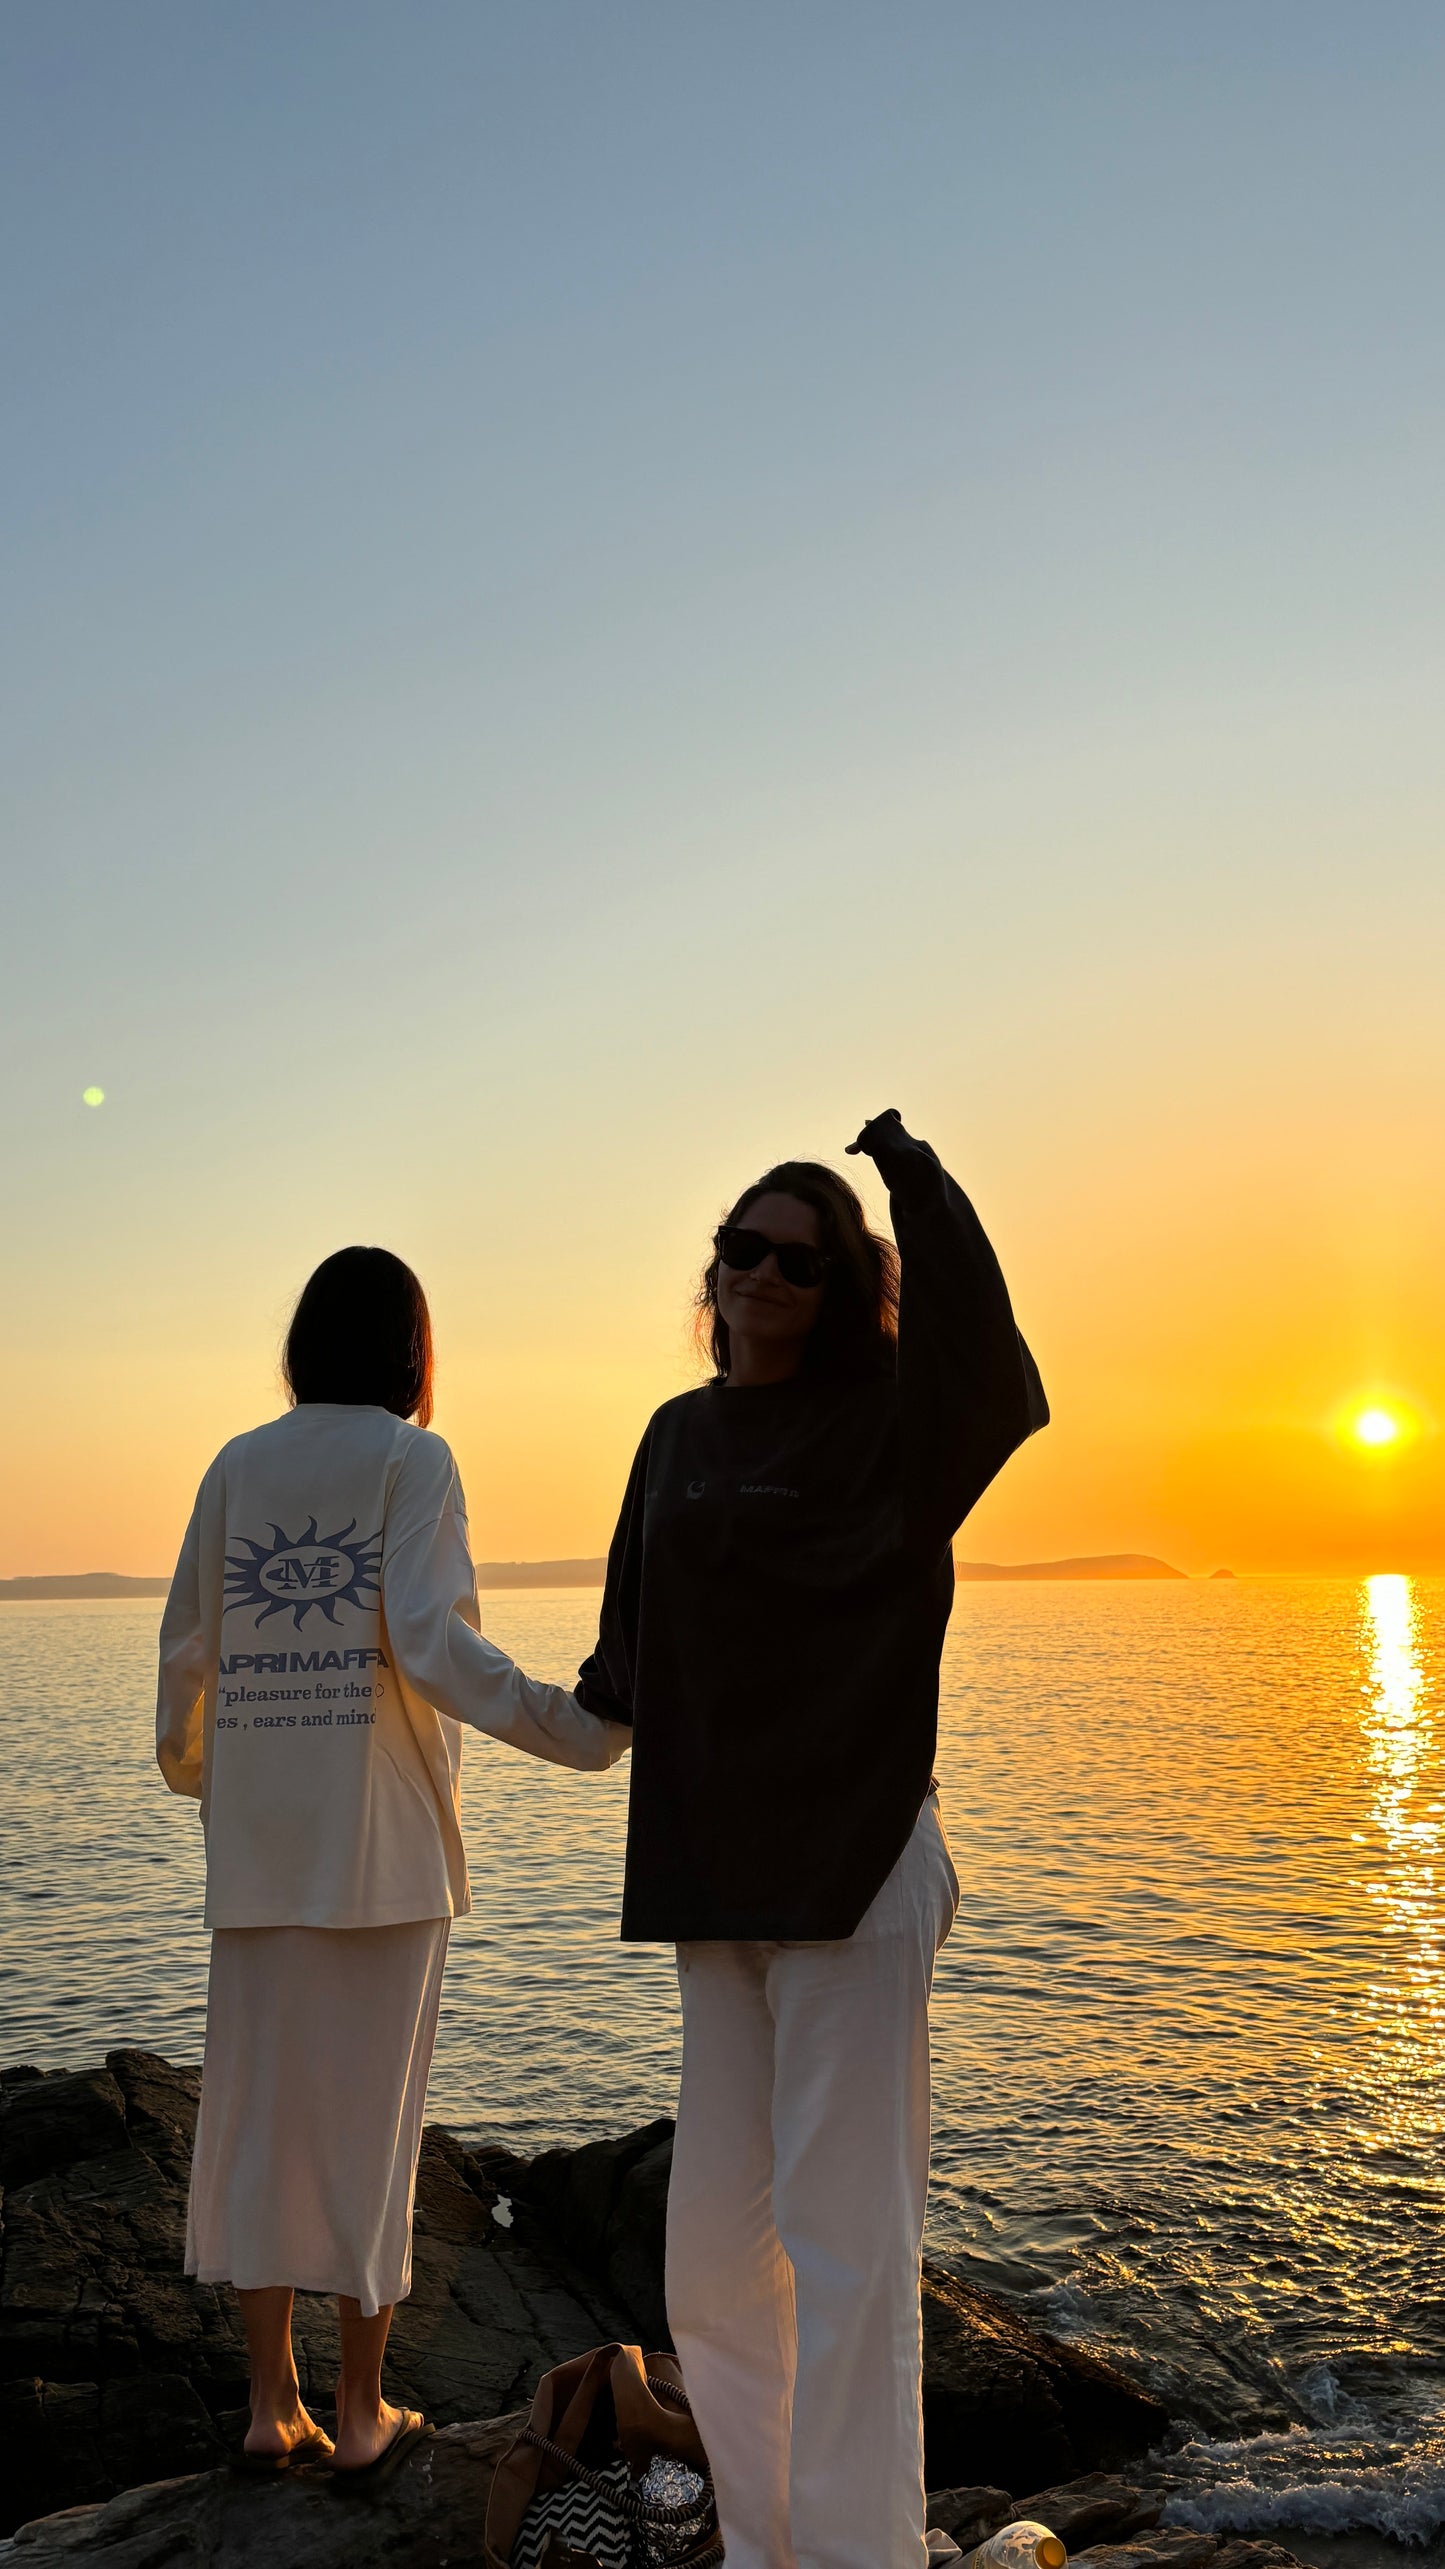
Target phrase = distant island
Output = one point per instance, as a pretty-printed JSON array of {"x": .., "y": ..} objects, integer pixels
[
  {"x": 590, "y": 1574},
  {"x": 541, "y": 1574},
  {"x": 1089, "y": 1565},
  {"x": 82, "y": 1583},
  {"x": 109, "y": 1583}
]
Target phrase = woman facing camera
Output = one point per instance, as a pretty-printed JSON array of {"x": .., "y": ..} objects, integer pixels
[
  {"x": 776, "y": 1599},
  {"x": 319, "y": 1651}
]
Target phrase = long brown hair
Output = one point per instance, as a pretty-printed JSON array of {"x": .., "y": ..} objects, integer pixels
[
  {"x": 856, "y": 1331},
  {"x": 361, "y": 1333}
]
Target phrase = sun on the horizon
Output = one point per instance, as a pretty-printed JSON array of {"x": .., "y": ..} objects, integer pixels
[{"x": 1377, "y": 1427}]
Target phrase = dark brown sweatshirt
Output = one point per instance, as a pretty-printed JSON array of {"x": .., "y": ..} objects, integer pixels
[{"x": 778, "y": 1589}]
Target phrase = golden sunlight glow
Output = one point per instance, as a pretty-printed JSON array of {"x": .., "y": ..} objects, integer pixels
[
  {"x": 1395, "y": 1728},
  {"x": 1376, "y": 1427},
  {"x": 92, "y": 1096},
  {"x": 1406, "y": 2011}
]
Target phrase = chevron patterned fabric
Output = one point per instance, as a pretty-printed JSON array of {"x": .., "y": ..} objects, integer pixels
[{"x": 586, "y": 2519}]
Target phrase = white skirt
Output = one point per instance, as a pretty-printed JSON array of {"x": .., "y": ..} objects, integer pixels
[{"x": 318, "y": 2049}]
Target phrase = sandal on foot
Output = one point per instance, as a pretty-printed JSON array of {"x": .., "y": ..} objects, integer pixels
[
  {"x": 413, "y": 2430},
  {"x": 314, "y": 2447}
]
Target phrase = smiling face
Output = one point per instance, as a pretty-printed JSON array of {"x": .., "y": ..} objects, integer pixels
[{"x": 768, "y": 1320}]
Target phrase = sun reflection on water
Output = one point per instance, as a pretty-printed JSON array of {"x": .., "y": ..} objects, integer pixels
[{"x": 1402, "y": 1750}]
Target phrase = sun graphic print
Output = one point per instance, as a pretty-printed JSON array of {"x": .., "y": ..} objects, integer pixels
[{"x": 294, "y": 1572}]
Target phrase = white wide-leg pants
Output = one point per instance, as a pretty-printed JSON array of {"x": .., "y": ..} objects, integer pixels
[{"x": 795, "y": 2223}]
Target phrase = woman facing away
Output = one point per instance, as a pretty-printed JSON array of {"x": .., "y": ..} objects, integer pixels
[
  {"x": 319, "y": 1651},
  {"x": 774, "y": 1614}
]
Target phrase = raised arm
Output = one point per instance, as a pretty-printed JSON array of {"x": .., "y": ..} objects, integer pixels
[
  {"x": 969, "y": 1389},
  {"x": 429, "y": 1598},
  {"x": 604, "y": 1681},
  {"x": 180, "y": 1694}
]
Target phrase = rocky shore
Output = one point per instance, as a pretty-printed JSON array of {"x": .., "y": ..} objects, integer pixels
[{"x": 122, "y": 2384}]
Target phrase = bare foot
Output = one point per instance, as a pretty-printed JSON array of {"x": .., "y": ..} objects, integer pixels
[
  {"x": 362, "y": 2435},
  {"x": 275, "y": 2436}
]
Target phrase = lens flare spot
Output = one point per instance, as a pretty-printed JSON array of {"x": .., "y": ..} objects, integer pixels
[
  {"x": 92, "y": 1096},
  {"x": 1377, "y": 1427}
]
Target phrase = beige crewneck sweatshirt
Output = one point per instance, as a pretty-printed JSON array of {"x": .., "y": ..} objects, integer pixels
[{"x": 319, "y": 1649}]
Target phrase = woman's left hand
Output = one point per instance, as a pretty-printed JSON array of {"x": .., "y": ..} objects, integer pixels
[{"x": 890, "y": 1113}]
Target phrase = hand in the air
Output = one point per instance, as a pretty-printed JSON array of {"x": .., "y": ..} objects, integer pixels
[{"x": 889, "y": 1114}]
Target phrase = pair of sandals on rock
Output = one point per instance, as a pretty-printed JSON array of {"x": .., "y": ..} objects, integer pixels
[{"x": 413, "y": 2430}]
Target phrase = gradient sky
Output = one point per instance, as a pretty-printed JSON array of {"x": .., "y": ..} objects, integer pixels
[{"x": 595, "y": 593}]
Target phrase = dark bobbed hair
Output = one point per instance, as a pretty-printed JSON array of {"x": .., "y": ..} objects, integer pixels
[
  {"x": 856, "y": 1332},
  {"x": 361, "y": 1332}
]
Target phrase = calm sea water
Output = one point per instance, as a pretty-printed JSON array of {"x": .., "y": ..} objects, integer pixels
[{"x": 1189, "y": 2031}]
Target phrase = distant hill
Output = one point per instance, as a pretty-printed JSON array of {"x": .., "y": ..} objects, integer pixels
[
  {"x": 590, "y": 1574},
  {"x": 541, "y": 1574},
  {"x": 109, "y": 1583},
  {"x": 1092, "y": 1565},
  {"x": 82, "y": 1583}
]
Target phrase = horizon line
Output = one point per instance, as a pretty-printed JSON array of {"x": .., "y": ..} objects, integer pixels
[{"x": 589, "y": 1571}]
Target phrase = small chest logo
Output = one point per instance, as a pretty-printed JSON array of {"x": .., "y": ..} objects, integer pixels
[
  {"x": 297, "y": 1572},
  {"x": 695, "y": 1489},
  {"x": 767, "y": 1490}
]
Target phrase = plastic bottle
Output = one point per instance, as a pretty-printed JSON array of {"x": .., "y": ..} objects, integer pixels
[{"x": 1024, "y": 2545}]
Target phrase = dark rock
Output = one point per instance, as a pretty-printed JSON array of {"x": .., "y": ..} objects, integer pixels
[
  {"x": 1169, "y": 2547},
  {"x": 1097, "y": 2508},
  {"x": 115, "y": 2366},
  {"x": 607, "y": 2203},
  {"x": 91, "y": 2287},
  {"x": 1034, "y": 2410},
  {"x": 49, "y": 2123},
  {"x": 1239, "y": 2554},
  {"x": 50, "y": 2442},
  {"x": 160, "y": 2108},
  {"x": 89, "y": 2438},
  {"x": 430, "y": 2516},
  {"x": 490, "y": 2310},
  {"x": 969, "y": 2515}
]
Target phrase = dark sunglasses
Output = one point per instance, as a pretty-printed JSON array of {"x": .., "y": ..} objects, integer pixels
[{"x": 743, "y": 1249}]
